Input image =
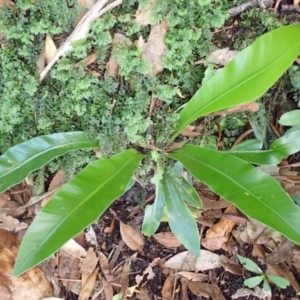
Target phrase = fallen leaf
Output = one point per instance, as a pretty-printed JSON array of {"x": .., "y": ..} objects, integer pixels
[
  {"x": 105, "y": 266},
  {"x": 205, "y": 290},
  {"x": 11, "y": 224},
  {"x": 167, "y": 290},
  {"x": 89, "y": 263},
  {"x": 107, "y": 288},
  {"x": 50, "y": 48},
  {"x": 257, "y": 292},
  {"x": 251, "y": 107},
  {"x": 155, "y": 48},
  {"x": 31, "y": 285},
  {"x": 7, "y": 2},
  {"x": 86, "y": 3},
  {"x": 112, "y": 65},
  {"x": 222, "y": 56},
  {"x": 87, "y": 60},
  {"x": 88, "y": 287},
  {"x": 148, "y": 271},
  {"x": 124, "y": 278},
  {"x": 193, "y": 276},
  {"x": 167, "y": 239},
  {"x": 132, "y": 238},
  {"x": 188, "y": 132},
  {"x": 217, "y": 235},
  {"x": 142, "y": 16},
  {"x": 206, "y": 261}
]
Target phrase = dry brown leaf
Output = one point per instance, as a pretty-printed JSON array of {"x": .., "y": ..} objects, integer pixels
[
  {"x": 148, "y": 271},
  {"x": 32, "y": 285},
  {"x": 189, "y": 132},
  {"x": 111, "y": 226},
  {"x": 167, "y": 290},
  {"x": 155, "y": 48},
  {"x": 87, "y": 60},
  {"x": 167, "y": 239},
  {"x": 143, "y": 16},
  {"x": 86, "y": 3},
  {"x": 89, "y": 263},
  {"x": 296, "y": 2},
  {"x": 217, "y": 235},
  {"x": 50, "y": 48},
  {"x": 112, "y": 65},
  {"x": 193, "y": 276},
  {"x": 107, "y": 288},
  {"x": 132, "y": 238},
  {"x": 7, "y": 2},
  {"x": 88, "y": 287},
  {"x": 222, "y": 56},
  {"x": 245, "y": 292},
  {"x": 11, "y": 224},
  {"x": 205, "y": 290},
  {"x": 105, "y": 266},
  {"x": 251, "y": 107}
]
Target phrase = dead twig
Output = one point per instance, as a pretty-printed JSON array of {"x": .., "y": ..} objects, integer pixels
[
  {"x": 263, "y": 4},
  {"x": 80, "y": 31}
]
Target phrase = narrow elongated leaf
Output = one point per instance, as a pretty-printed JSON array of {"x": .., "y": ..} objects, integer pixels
[
  {"x": 20, "y": 160},
  {"x": 180, "y": 218},
  {"x": 252, "y": 191},
  {"x": 188, "y": 193},
  {"x": 76, "y": 205},
  {"x": 282, "y": 147},
  {"x": 290, "y": 118},
  {"x": 246, "y": 77},
  {"x": 154, "y": 212}
]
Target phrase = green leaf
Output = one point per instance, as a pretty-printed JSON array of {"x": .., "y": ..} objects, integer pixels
[
  {"x": 253, "y": 144},
  {"x": 252, "y": 191},
  {"x": 253, "y": 281},
  {"x": 76, "y": 205},
  {"x": 290, "y": 118},
  {"x": 279, "y": 281},
  {"x": 154, "y": 212},
  {"x": 20, "y": 160},
  {"x": 247, "y": 77},
  {"x": 249, "y": 264},
  {"x": 282, "y": 147},
  {"x": 180, "y": 218},
  {"x": 266, "y": 286},
  {"x": 188, "y": 193}
]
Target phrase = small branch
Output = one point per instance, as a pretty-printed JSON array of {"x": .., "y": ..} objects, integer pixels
[
  {"x": 80, "y": 31},
  {"x": 291, "y": 8},
  {"x": 263, "y": 4}
]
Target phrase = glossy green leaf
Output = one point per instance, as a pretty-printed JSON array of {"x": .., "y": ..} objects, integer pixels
[
  {"x": 254, "y": 281},
  {"x": 20, "y": 160},
  {"x": 252, "y": 191},
  {"x": 249, "y": 264},
  {"x": 180, "y": 218},
  {"x": 290, "y": 118},
  {"x": 246, "y": 77},
  {"x": 279, "y": 281},
  {"x": 282, "y": 147},
  {"x": 188, "y": 193},
  {"x": 76, "y": 205},
  {"x": 154, "y": 212},
  {"x": 253, "y": 144}
]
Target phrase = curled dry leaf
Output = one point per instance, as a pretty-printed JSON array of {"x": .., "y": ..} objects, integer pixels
[
  {"x": 167, "y": 239},
  {"x": 189, "y": 132},
  {"x": 32, "y": 285},
  {"x": 193, "y": 276},
  {"x": 105, "y": 266},
  {"x": 251, "y": 107},
  {"x": 167, "y": 290},
  {"x": 132, "y": 238},
  {"x": 217, "y": 235},
  {"x": 50, "y": 48}
]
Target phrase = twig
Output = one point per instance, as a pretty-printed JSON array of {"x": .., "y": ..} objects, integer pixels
[
  {"x": 263, "y": 4},
  {"x": 80, "y": 31}
]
